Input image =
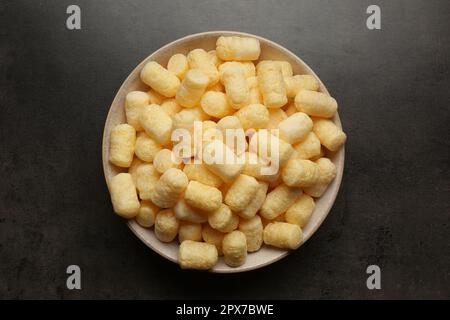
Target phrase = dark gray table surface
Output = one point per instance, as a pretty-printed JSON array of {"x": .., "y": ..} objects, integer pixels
[{"x": 392, "y": 86}]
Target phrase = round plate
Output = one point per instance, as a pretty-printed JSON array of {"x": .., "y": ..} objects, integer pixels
[{"x": 207, "y": 40}]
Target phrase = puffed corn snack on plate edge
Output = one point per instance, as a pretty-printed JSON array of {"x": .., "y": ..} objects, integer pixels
[{"x": 207, "y": 40}]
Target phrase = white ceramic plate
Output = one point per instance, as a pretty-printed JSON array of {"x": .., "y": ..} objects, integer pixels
[{"x": 269, "y": 51}]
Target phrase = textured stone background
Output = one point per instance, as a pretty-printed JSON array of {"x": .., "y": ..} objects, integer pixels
[{"x": 393, "y": 88}]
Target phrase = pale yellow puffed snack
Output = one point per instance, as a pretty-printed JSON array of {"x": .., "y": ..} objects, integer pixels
[
  {"x": 186, "y": 118},
  {"x": 300, "y": 173},
  {"x": 327, "y": 171},
  {"x": 275, "y": 183},
  {"x": 248, "y": 67},
  {"x": 201, "y": 60},
  {"x": 170, "y": 106},
  {"x": 241, "y": 192},
  {"x": 300, "y": 212},
  {"x": 226, "y": 170},
  {"x": 146, "y": 148},
  {"x": 279, "y": 200},
  {"x": 280, "y": 218},
  {"x": 286, "y": 68},
  {"x": 214, "y": 58},
  {"x": 223, "y": 219},
  {"x": 187, "y": 213},
  {"x": 160, "y": 79},
  {"x": 329, "y": 134},
  {"x": 166, "y": 225},
  {"x": 197, "y": 255},
  {"x": 135, "y": 101},
  {"x": 283, "y": 235},
  {"x": 207, "y": 125},
  {"x": 275, "y": 117},
  {"x": 253, "y": 116},
  {"x": 154, "y": 97},
  {"x": 256, "y": 203},
  {"x": 178, "y": 65},
  {"x": 146, "y": 179},
  {"x": 217, "y": 87},
  {"x": 123, "y": 195},
  {"x": 209, "y": 131},
  {"x": 255, "y": 96},
  {"x": 133, "y": 168},
  {"x": 253, "y": 230},
  {"x": 190, "y": 231},
  {"x": 169, "y": 188},
  {"x": 236, "y": 86},
  {"x": 156, "y": 123},
  {"x": 213, "y": 236},
  {"x": 271, "y": 84},
  {"x": 252, "y": 81},
  {"x": 320, "y": 155},
  {"x": 164, "y": 160},
  {"x": 234, "y": 138},
  {"x": 229, "y": 122},
  {"x": 262, "y": 143},
  {"x": 202, "y": 196},
  {"x": 295, "y": 128},
  {"x": 237, "y": 48},
  {"x": 121, "y": 146},
  {"x": 290, "y": 108},
  {"x": 259, "y": 168},
  {"x": 315, "y": 103},
  {"x": 300, "y": 82},
  {"x": 192, "y": 88},
  {"x": 147, "y": 214},
  {"x": 234, "y": 246},
  {"x": 216, "y": 104},
  {"x": 308, "y": 148},
  {"x": 198, "y": 172}
]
